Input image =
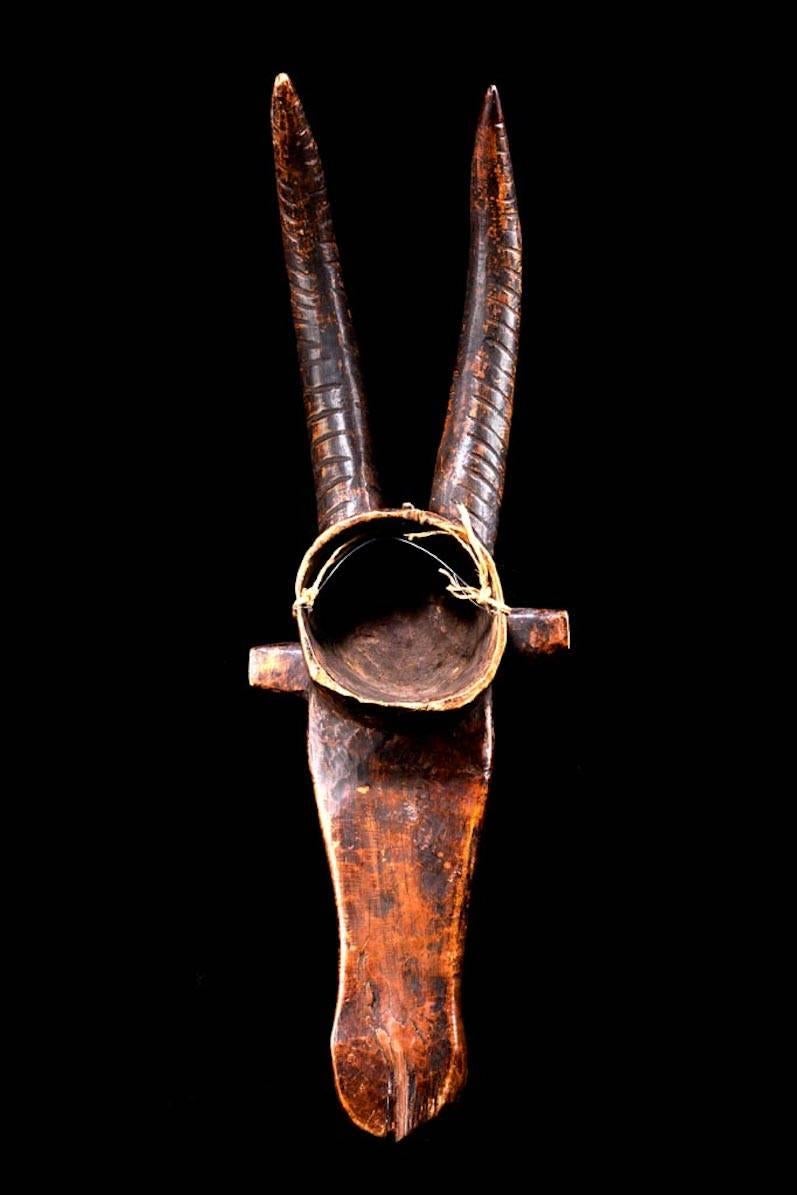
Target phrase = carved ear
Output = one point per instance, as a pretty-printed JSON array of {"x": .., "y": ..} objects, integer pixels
[
  {"x": 345, "y": 482},
  {"x": 472, "y": 458}
]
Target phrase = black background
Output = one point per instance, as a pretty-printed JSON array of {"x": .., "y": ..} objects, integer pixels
[{"x": 235, "y": 940}]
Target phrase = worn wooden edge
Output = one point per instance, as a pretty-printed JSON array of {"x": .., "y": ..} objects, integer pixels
[
  {"x": 279, "y": 667},
  {"x": 424, "y": 518},
  {"x": 538, "y": 632}
]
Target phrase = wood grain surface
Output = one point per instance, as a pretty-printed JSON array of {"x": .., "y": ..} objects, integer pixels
[{"x": 400, "y": 797}]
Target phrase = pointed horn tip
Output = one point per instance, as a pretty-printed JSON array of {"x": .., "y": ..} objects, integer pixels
[
  {"x": 284, "y": 93},
  {"x": 287, "y": 113},
  {"x": 492, "y": 112}
]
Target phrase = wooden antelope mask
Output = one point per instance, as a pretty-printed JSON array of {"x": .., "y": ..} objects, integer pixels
[{"x": 402, "y": 625}]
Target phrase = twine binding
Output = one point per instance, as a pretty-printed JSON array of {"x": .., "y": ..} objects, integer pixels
[{"x": 480, "y": 596}]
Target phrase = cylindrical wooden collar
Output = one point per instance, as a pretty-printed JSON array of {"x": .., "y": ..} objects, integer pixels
[{"x": 468, "y": 628}]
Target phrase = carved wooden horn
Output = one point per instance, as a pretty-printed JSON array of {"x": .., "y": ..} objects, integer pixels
[
  {"x": 471, "y": 461},
  {"x": 345, "y": 482}
]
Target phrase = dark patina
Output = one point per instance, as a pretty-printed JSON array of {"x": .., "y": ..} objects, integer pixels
[{"x": 402, "y": 625}]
